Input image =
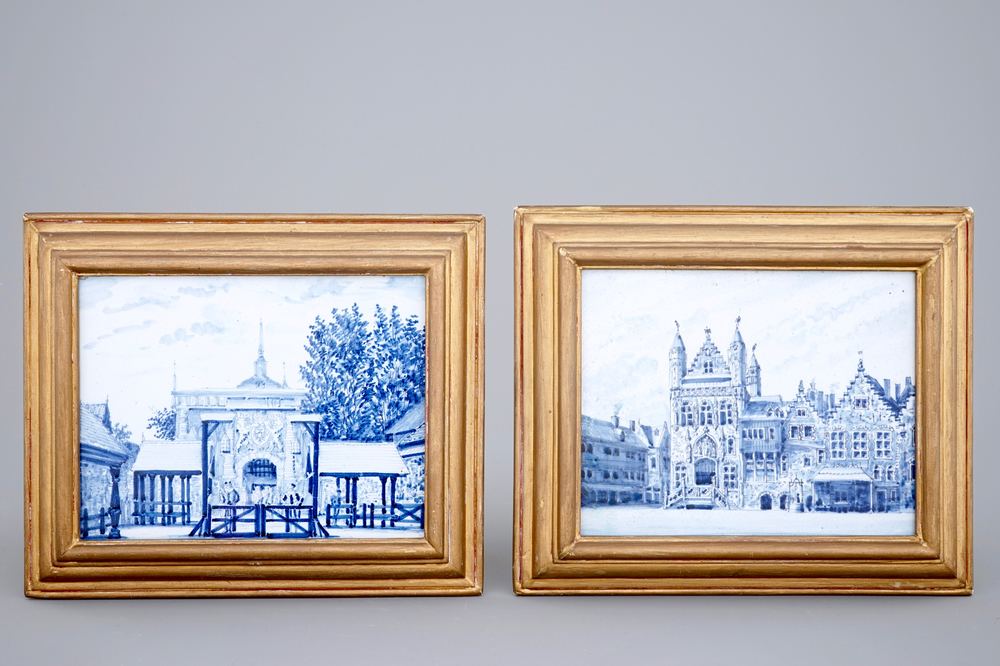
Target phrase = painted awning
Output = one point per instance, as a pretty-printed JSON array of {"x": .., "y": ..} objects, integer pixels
[
  {"x": 163, "y": 456},
  {"x": 359, "y": 459},
  {"x": 841, "y": 474}
]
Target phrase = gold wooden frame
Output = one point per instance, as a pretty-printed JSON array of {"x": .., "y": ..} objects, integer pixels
[
  {"x": 554, "y": 244},
  {"x": 447, "y": 250}
]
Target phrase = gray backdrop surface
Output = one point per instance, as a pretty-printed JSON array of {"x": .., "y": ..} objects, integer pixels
[{"x": 474, "y": 108}]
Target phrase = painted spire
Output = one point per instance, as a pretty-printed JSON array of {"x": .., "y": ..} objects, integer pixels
[
  {"x": 260, "y": 366},
  {"x": 678, "y": 341}
]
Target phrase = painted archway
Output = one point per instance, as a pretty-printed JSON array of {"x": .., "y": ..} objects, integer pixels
[{"x": 704, "y": 472}]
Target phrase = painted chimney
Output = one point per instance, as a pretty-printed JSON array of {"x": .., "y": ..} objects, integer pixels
[
  {"x": 614, "y": 420},
  {"x": 888, "y": 387},
  {"x": 897, "y": 392},
  {"x": 631, "y": 426}
]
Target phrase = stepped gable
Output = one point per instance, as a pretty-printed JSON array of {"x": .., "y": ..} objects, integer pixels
[
  {"x": 866, "y": 380},
  {"x": 709, "y": 360}
]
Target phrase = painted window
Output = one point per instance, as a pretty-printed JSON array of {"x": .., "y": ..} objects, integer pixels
[
  {"x": 730, "y": 446},
  {"x": 800, "y": 411},
  {"x": 784, "y": 463},
  {"x": 687, "y": 414},
  {"x": 725, "y": 412},
  {"x": 729, "y": 477},
  {"x": 706, "y": 413},
  {"x": 877, "y": 473},
  {"x": 794, "y": 434},
  {"x": 807, "y": 462},
  {"x": 821, "y": 456},
  {"x": 859, "y": 445},
  {"x": 882, "y": 445},
  {"x": 807, "y": 431},
  {"x": 838, "y": 448},
  {"x": 861, "y": 403}
]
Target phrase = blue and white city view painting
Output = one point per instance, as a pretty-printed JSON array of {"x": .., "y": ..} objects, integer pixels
[
  {"x": 748, "y": 402},
  {"x": 235, "y": 407}
]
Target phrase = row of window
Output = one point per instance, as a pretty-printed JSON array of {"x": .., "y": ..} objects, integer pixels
[
  {"x": 613, "y": 475},
  {"x": 762, "y": 467},
  {"x": 859, "y": 444},
  {"x": 707, "y": 414},
  {"x": 614, "y": 452},
  {"x": 887, "y": 474}
]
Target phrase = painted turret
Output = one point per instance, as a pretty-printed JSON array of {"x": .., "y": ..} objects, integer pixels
[
  {"x": 753, "y": 374},
  {"x": 678, "y": 359},
  {"x": 738, "y": 357}
]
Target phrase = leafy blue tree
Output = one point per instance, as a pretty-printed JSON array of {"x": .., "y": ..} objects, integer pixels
[
  {"x": 164, "y": 422},
  {"x": 398, "y": 368},
  {"x": 338, "y": 374},
  {"x": 362, "y": 380}
]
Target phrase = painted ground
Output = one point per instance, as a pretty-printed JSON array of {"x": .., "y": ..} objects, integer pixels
[
  {"x": 656, "y": 521},
  {"x": 177, "y": 532}
]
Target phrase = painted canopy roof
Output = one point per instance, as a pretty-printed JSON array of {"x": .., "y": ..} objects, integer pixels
[
  {"x": 849, "y": 473},
  {"x": 341, "y": 458},
  {"x": 157, "y": 455}
]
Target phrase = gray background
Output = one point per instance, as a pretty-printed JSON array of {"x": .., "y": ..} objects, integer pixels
[{"x": 469, "y": 108}]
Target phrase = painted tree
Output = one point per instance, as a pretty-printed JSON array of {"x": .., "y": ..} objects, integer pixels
[
  {"x": 362, "y": 380},
  {"x": 398, "y": 373},
  {"x": 338, "y": 374},
  {"x": 164, "y": 422}
]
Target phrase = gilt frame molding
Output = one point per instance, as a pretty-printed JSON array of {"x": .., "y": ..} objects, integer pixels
[
  {"x": 448, "y": 250},
  {"x": 553, "y": 246}
]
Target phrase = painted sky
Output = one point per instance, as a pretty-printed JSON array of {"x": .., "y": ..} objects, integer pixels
[
  {"x": 808, "y": 325},
  {"x": 134, "y": 329}
]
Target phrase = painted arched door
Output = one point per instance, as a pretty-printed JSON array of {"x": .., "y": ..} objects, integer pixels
[{"x": 704, "y": 472}]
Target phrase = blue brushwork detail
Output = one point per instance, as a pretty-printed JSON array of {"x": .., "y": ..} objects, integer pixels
[
  {"x": 363, "y": 379},
  {"x": 264, "y": 460},
  {"x": 728, "y": 446}
]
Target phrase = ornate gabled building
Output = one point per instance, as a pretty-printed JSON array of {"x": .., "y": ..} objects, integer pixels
[
  {"x": 732, "y": 447},
  {"x": 708, "y": 399}
]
